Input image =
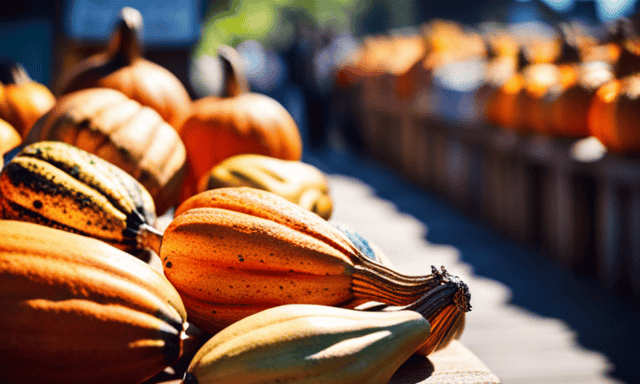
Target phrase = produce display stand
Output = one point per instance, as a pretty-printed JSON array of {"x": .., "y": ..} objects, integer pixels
[
  {"x": 455, "y": 364},
  {"x": 570, "y": 197}
]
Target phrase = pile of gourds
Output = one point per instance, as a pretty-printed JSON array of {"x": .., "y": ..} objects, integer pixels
[
  {"x": 586, "y": 88},
  {"x": 253, "y": 276},
  {"x": 565, "y": 85}
]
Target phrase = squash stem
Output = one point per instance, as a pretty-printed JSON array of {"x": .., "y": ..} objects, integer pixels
[
  {"x": 13, "y": 73},
  {"x": 444, "y": 306},
  {"x": 378, "y": 283},
  {"x": 124, "y": 41},
  {"x": 235, "y": 81},
  {"x": 373, "y": 280},
  {"x": 149, "y": 238}
]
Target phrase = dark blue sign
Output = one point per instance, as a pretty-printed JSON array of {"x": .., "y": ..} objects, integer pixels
[{"x": 166, "y": 22}]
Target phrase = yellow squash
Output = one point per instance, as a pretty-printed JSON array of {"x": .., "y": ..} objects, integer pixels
[
  {"x": 76, "y": 310},
  {"x": 61, "y": 186},
  {"x": 294, "y": 180},
  {"x": 309, "y": 344}
]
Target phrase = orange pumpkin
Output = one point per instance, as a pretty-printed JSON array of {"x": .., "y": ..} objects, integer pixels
[
  {"x": 232, "y": 252},
  {"x": 541, "y": 82},
  {"x": 241, "y": 123},
  {"x": 570, "y": 109},
  {"x": 501, "y": 101},
  {"x": 604, "y": 62},
  {"x": 602, "y": 109},
  {"x": 118, "y": 129},
  {"x": 501, "y": 55},
  {"x": 614, "y": 117},
  {"x": 22, "y": 100},
  {"x": 9, "y": 137},
  {"x": 123, "y": 68},
  {"x": 624, "y": 136}
]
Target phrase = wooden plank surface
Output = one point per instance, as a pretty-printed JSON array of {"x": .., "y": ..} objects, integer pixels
[{"x": 516, "y": 345}]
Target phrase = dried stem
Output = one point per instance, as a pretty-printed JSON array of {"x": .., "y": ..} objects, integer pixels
[
  {"x": 149, "y": 238},
  {"x": 444, "y": 305}
]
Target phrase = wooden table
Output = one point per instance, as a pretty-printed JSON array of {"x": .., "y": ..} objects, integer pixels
[{"x": 452, "y": 365}]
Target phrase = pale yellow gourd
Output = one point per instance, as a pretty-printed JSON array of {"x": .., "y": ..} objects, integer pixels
[
  {"x": 298, "y": 182},
  {"x": 310, "y": 344}
]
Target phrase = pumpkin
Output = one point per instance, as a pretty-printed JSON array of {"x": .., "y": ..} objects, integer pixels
[
  {"x": 607, "y": 61},
  {"x": 541, "y": 82},
  {"x": 76, "y": 310},
  {"x": 9, "y": 137},
  {"x": 120, "y": 130},
  {"x": 570, "y": 107},
  {"x": 613, "y": 117},
  {"x": 123, "y": 68},
  {"x": 624, "y": 136},
  {"x": 22, "y": 100},
  {"x": 502, "y": 64},
  {"x": 296, "y": 181},
  {"x": 241, "y": 123},
  {"x": 442, "y": 42},
  {"x": 366, "y": 62},
  {"x": 408, "y": 52},
  {"x": 232, "y": 252},
  {"x": 501, "y": 103}
]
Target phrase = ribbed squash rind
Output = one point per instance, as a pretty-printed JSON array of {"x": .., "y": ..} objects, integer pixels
[
  {"x": 231, "y": 252},
  {"x": 296, "y": 181},
  {"x": 64, "y": 187},
  {"x": 76, "y": 310},
  {"x": 123, "y": 132},
  {"x": 225, "y": 264}
]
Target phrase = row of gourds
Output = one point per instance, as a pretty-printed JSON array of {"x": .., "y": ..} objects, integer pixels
[
  {"x": 249, "y": 260},
  {"x": 566, "y": 85}
]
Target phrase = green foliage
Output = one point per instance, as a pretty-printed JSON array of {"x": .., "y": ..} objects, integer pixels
[{"x": 271, "y": 22}]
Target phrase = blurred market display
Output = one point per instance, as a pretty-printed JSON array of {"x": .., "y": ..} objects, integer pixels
[{"x": 532, "y": 127}]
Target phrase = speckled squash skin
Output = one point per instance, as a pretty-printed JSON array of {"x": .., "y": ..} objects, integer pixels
[
  {"x": 76, "y": 310},
  {"x": 60, "y": 186},
  {"x": 232, "y": 252}
]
